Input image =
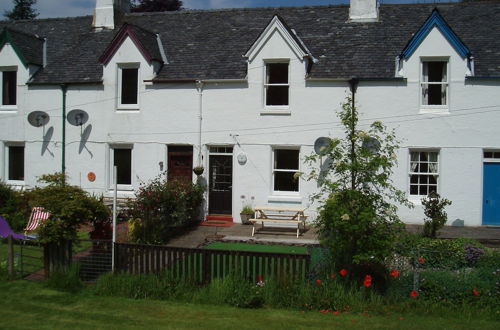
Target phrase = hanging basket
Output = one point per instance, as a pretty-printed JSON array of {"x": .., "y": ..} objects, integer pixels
[{"x": 198, "y": 170}]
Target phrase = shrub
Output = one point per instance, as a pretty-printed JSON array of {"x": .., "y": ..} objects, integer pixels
[
  {"x": 235, "y": 290},
  {"x": 66, "y": 279},
  {"x": 14, "y": 207},
  {"x": 435, "y": 214},
  {"x": 69, "y": 206},
  {"x": 161, "y": 207}
]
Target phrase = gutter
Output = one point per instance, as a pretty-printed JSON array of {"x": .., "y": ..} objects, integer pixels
[{"x": 358, "y": 79}]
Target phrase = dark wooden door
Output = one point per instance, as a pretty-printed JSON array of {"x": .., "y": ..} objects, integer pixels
[
  {"x": 220, "y": 184},
  {"x": 180, "y": 163}
]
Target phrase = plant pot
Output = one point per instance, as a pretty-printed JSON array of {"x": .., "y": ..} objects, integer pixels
[
  {"x": 198, "y": 170},
  {"x": 245, "y": 217}
]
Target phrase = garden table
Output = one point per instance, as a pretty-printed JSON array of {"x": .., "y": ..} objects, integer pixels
[{"x": 275, "y": 214}]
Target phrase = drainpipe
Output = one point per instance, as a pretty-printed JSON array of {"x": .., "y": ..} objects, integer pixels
[
  {"x": 64, "y": 88},
  {"x": 353, "y": 83},
  {"x": 199, "y": 87}
]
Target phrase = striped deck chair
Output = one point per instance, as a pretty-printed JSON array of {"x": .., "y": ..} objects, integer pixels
[{"x": 38, "y": 215}]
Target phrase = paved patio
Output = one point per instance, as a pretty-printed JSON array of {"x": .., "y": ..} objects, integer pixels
[{"x": 199, "y": 236}]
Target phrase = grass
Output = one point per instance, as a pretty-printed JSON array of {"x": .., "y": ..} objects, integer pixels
[
  {"x": 257, "y": 247},
  {"x": 29, "y": 305}
]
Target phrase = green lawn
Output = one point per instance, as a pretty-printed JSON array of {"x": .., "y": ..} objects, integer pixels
[
  {"x": 29, "y": 305},
  {"x": 257, "y": 247}
]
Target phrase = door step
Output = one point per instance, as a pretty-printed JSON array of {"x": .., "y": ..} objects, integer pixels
[{"x": 218, "y": 220}]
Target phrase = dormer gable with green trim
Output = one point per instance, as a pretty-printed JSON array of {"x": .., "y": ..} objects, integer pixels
[
  {"x": 435, "y": 20},
  {"x": 29, "y": 48}
]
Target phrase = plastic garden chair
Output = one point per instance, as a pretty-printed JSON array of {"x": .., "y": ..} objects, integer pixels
[{"x": 6, "y": 231}]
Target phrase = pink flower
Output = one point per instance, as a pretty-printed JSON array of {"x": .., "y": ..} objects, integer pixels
[{"x": 332, "y": 275}]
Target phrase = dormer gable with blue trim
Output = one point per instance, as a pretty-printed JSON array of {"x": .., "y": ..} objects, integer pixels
[{"x": 435, "y": 20}]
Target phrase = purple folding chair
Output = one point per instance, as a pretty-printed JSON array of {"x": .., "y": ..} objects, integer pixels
[{"x": 6, "y": 231}]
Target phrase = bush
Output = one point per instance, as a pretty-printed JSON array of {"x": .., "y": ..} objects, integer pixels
[
  {"x": 66, "y": 279},
  {"x": 14, "y": 207},
  {"x": 234, "y": 290},
  {"x": 69, "y": 206},
  {"x": 161, "y": 208},
  {"x": 435, "y": 214}
]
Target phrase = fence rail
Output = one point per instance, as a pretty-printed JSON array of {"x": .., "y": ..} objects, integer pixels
[{"x": 204, "y": 264}]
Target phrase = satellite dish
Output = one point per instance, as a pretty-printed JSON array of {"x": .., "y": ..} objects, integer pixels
[
  {"x": 38, "y": 118},
  {"x": 77, "y": 117},
  {"x": 320, "y": 144},
  {"x": 371, "y": 144}
]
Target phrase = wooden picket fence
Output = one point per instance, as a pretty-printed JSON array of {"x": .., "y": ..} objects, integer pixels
[{"x": 204, "y": 265}]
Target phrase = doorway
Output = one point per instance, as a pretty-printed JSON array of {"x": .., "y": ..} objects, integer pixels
[{"x": 220, "y": 180}]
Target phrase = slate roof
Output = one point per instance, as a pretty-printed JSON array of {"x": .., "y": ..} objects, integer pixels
[
  {"x": 202, "y": 44},
  {"x": 31, "y": 46}
]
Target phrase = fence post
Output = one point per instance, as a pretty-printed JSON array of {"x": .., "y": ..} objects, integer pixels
[{"x": 10, "y": 256}]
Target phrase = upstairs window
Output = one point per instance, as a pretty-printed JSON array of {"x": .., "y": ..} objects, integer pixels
[
  {"x": 424, "y": 172},
  {"x": 129, "y": 85},
  {"x": 286, "y": 165},
  {"x": 9, "y": 87},
  {"x": 434, "y": 83},
  {"x": 276, "y": 85}
]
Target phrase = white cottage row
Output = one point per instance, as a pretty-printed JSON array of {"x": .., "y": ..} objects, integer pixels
[{"x": 246, "y": 93}]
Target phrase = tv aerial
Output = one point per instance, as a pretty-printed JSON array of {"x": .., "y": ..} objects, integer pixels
[
  {"x": 321, "y": 144},
  {"x": 77, "y": 117},
  {"x": 38, "y": 118}
]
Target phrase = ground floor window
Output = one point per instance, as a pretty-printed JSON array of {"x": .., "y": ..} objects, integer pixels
[
  {"x": 15, "y": 163},
  {"x": 424, "y": 172},
  {"x": 121, "y": 157},
  {"x": 285, "y": 167}
]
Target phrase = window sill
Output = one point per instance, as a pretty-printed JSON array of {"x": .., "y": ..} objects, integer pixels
[
  {"x": 435, "y": 110},
  {"x": 128, "y": 107},
  {"x": 274, "y": 112},
  {"x": 290, "y": 198},
  {"x": 8, "y": 108},
  {"x": 16, "y": 184},
  {"x": 123, "y": 188}
]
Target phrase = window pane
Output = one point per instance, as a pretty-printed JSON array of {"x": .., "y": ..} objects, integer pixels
[
  {"x": 433, "y": 156},
  {"x": 437, "y": 71},
  {"x": 286, "y": 159},
  {"x": 277, "y": 95},
  {"x": 123, "y": 162},
  {"x": 16, "y": 163},
  {"x": 488, "y": 155},
  {"x": 9, "y": 87},
  {"x": 277, "y": 73},
  {"x": 129, "y": 86},
  {"x": 413, "y": 190},
  {"x": 284, "y": 181}
]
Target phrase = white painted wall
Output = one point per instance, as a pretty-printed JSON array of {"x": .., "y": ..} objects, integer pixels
[{"x": 234, "y": 114}]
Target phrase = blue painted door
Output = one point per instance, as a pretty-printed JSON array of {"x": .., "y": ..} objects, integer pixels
[{"x": 491, "y": 194}]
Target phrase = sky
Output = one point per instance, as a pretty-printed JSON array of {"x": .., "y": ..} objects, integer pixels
[{"x": 66, "y": 8}]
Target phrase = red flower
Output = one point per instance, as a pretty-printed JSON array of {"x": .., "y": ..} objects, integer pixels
[
  {"x": 368, "y": 281},
  {"x": 318, "y": 282},
  {"x": 332, "y": 275},
  {"x": 421, "y": 260},
  {"x": 475, "y": 292},
  {"x": 324, "y": 311},
  {"x": 259, "y": 278},
  {"x": 343, "y": 272},
  {"x": 395, "y": 273},
  {"x": 336, "y": 313},
  {"x": 414, "y": 294}
]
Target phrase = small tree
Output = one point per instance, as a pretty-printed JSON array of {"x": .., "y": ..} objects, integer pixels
[
  {"x": 23, "y": 9},
  {"x": 357, "y": 220},
  {"x": 155, "y": 5},
  {"x": 435, "y": 214}
]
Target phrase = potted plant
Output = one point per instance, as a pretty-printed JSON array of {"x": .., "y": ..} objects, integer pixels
[
  {"x": 198, "y": 170},
  {"x": 246, "y": 213}
]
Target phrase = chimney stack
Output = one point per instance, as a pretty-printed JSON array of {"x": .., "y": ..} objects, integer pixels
[
  {"x": 106, "y": 13},
  {"x": 363, "y": 11}
]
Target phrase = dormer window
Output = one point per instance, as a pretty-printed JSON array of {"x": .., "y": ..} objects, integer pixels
[
  {"x": 128, "y": 82},
  {"x": 434, "y": 83},
  {"x": 277, "y": 84},
  {"x": 9, "y": 87}
]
